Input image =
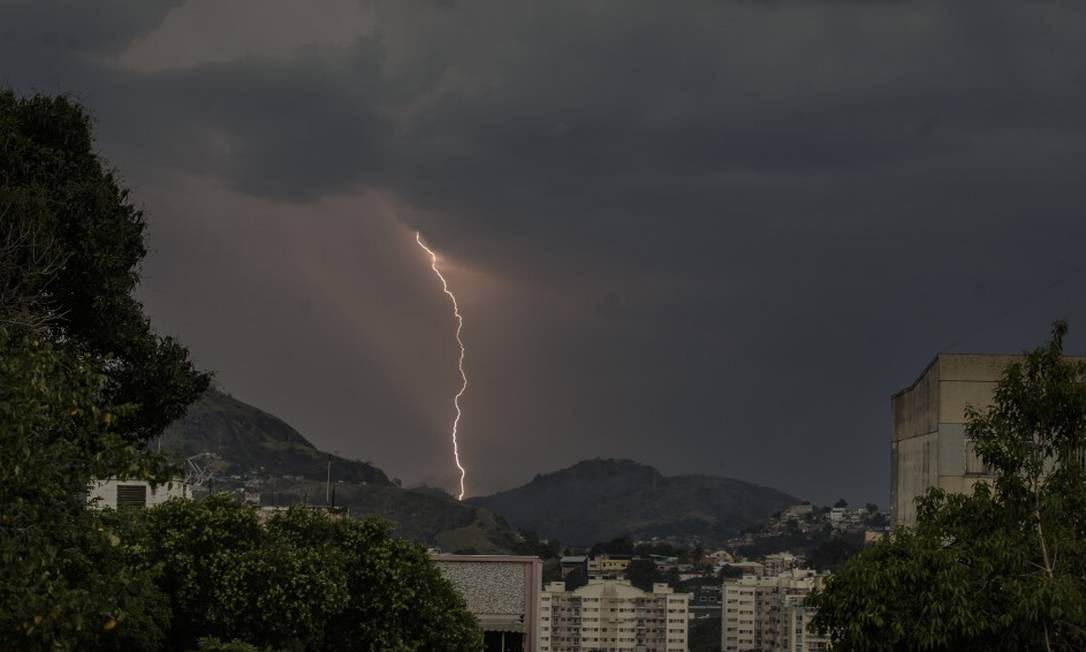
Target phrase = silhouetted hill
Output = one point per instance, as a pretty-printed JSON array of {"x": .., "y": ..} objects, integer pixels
[
  {"x": 249, "y": 448},
  {"x": 598, "y": 500},
  {"x": 246, "y": 440}
]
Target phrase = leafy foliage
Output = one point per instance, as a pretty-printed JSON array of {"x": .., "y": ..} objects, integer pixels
[
  {"x": 302, "y": 581},
  {"x": 71, "y": 244},
  {"x": 1002, "y": 568},
  {"x": 576, "y": 578},
  {"x": 65, "y": 581},
  {"x": 84, "y": 382},
  {"x": 642, "y": 573}
]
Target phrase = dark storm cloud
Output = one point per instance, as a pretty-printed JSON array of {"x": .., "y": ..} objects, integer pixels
[
  {"x": 74, "y": 26},
  {"x": 723, "y": 233}
]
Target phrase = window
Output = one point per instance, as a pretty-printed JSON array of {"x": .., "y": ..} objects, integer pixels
[
  {"x": 973, "y": 463},
  {"x": 131, "y": 496}
]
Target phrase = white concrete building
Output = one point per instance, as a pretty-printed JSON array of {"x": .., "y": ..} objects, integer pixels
[
  {"x": 747, "y": 567},
  {"x": 763, "y": 613},
  {"x": 844, "y": 518},
  {"x": 794, "y": 626},
  {"x": 779, "y": 562},
  {"x": 128, "y": 494},
  {"x": 612, "y": 615},
  {"x": 928, "y": 444}
]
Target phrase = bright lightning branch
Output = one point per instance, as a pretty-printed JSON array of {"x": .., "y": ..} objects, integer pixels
[{"x": 460, "y": 363}]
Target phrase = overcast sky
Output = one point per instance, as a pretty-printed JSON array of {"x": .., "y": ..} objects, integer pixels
[{"x": 709, "y": 236}]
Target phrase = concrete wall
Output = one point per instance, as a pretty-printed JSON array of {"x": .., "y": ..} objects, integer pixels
[
  {"x": 103, "y": 493},
  {"x": 928, "y": 446},
  {"x": 502, "y": 592}
]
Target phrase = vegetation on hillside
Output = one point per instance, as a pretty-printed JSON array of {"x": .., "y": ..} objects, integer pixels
[
  {"x": 597, "y": 500},
  {"x": 249, "y": 449},
  {"x": 244, "y": 440}
]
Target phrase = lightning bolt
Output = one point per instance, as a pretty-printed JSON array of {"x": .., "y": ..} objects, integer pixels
[{"x": 460, "y": 363}]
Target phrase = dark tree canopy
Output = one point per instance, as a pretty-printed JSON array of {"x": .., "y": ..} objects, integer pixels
[
  {"x": 65, "y": 581},
  {"x": 303, "y": 581},
  {"x": 84, "y": 382},
  {"x": 71, "y": 243},
  {"x": 576, "y": 578},
  {"x": 619, "y": 546},
  {"x": 642, "y": 573}
]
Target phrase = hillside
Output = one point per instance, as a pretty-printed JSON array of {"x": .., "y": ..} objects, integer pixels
[
  {"x": 249, "y": 449},
  {"x": 249, "y": 441},
  {"x": 597, "y": 500}
]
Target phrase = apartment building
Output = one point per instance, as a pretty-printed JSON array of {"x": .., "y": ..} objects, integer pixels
[
  {"x": 612, "y": 616},
  {"x": 794, "y": 630},
  {"x": 769, "y": 614},
  {"x": 779, "y": 562}
]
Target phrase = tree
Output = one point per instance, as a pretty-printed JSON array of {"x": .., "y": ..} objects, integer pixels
[
  {"x": 618, "y": 546},
  {"x": 876, "y": 520},
  {"x": 1001, "y": 568},
  {"x": 73, "y": 243},
  {"x": 84, "y": 383},
  {"x": 65, "y": 578},
  {"x": 841, "y": 503},
  {"x": 727, "y": 571},
  {"x": 697, "y": 554},
  {"x": 642, "y": 573},
  {"x": 304, "y": 580},
  {"x": 832, "y": 554},
  {"x": 576, "y": 578}
]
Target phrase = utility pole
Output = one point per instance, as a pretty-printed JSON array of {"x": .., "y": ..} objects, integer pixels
[{"x": 328, "y": 484}]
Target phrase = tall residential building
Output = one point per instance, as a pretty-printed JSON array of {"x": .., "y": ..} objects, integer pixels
[
  {"x": 502, "y": 592},
  {"x": 769, "y": 614},
  {"x": 612, "y": 615},
  {"x": 794, "y": 628},
  {"x": 928, "y": 444}
]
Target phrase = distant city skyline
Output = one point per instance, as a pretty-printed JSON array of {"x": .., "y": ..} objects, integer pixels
[{"x": 715, "y": 240}]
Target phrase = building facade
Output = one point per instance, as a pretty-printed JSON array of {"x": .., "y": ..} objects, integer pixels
[
  {"x": 612, "y": 616},
  {"x": 607, "y": 566},
  {"x": 769, "y": 613},
  {"x": 928, "y": 443},
  {"x": 574, "y": 563},
  {"x": 134, "y": 494},
  {"x": 779, "y": 562},
  {"x": 503, "y": 593}
]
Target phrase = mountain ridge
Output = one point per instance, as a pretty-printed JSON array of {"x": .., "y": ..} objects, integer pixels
[
  {"x": 253, "y": 451},
  {"x": 600, "y": 499}
]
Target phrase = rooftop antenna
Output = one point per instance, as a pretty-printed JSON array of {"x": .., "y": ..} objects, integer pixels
[{"x": 196, "y": 475}]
